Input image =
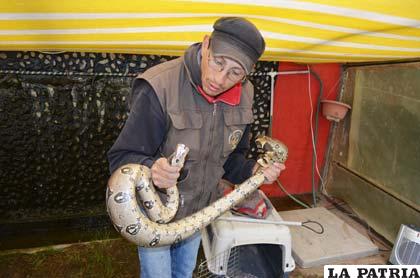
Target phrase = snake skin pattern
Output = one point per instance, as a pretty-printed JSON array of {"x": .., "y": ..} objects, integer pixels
[
  {"x": 155, "y": 210},
  {"x": 131, "y": 222}
]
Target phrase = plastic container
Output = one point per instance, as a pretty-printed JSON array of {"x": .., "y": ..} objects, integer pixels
[
  {"x": 237, "y": 249},
  {"x": 334, "y": 110}
]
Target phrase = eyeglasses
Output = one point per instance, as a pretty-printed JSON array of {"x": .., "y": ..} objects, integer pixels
[{"x": 233, "y": 74}]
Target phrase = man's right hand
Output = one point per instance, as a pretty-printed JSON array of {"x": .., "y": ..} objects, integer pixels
[{"x": 163, "y": 174}]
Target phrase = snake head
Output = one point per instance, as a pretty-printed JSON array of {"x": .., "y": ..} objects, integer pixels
[
  {"x": 178, "y": 157},
  {"x": 274, "y": 150}
]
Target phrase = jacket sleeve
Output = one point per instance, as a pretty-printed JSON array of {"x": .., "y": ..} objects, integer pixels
[
  {"x": 237, "y": 167},
  {"x": 143, "y": 132}
]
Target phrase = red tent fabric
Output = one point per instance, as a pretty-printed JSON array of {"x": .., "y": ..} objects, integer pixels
[{"x": 291, "y": 122}]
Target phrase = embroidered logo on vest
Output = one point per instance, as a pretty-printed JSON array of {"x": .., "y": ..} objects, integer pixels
[{"x": 234, "y": 138}]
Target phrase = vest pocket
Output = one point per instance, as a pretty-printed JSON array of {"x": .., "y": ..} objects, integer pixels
[
  {"x": 235, "y": 123},
  {"x": 186, "y": 120},
  {"x": 185, "y": 129}
]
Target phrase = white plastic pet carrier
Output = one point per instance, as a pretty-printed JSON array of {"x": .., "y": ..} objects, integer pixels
[{"x": 240, "y": 249}]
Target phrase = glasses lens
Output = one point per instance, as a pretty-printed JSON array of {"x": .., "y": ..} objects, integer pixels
[
  {"x": 235, "y": 77},
  {"x": 219, "y": 66},
  {"x": 215, "y": 64}
]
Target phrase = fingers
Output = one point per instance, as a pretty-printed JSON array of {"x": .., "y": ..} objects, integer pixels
[
  {"x": 273, "y": 171},
  {"x": 163, "y": 174}
]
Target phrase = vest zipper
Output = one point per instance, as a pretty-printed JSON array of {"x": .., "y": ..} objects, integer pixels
[
  {"x": 206, "y": 157},
  {"x": 214, "y": 109}
]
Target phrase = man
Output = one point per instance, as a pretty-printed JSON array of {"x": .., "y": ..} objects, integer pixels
[{"x": 202, "y": 100}]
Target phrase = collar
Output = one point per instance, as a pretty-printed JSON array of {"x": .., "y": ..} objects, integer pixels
[
  {"x": 231, "y": 96},
  {"x": 192, "y": 60}
]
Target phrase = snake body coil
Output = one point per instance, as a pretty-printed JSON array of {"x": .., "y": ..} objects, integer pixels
[{"x": 132, "y": 223}]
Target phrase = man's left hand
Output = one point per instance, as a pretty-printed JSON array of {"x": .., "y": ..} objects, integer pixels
[{"x": 272, "y": 172}]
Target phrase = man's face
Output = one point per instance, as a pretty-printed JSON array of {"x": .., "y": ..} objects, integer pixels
[{"x": 218, "y": 74}]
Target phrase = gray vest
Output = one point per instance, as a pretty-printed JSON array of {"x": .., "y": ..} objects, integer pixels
[{"x": 211, "y": 131}]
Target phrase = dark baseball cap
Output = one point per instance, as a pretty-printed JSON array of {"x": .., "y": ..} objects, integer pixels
[{"x": 238, "y": 39}]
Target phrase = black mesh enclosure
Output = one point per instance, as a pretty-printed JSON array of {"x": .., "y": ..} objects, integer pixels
[{"x": 59, "y": 114}]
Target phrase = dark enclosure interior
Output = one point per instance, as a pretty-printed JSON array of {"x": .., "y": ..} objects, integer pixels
[{"x": 59, "y": 114}]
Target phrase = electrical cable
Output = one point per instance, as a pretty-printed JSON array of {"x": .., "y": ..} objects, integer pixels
[
  {"x": 273, "y": 76},
  {"x": 359, "y": 220},
  {"x": 75, "y": 73},
  {"x": 314, "y": 132},
  {"x": 303, "y": 204},
  {"x": 342, "y": 80},
  {"x": 305, "y": 225},
  {"x": 68, "y": 73},
  {"x": 275, "y": 222}
]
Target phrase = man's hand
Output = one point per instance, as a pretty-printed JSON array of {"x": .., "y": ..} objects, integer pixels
[
  {"x": 271, "y": 172},
  {"x": 163, "y": 174}
]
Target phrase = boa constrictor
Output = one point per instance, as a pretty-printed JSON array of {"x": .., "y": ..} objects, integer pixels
[{"x": 130, "y": 220}]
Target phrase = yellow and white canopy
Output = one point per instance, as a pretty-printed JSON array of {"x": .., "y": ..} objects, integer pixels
[{"x": 307, "y": 31}]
